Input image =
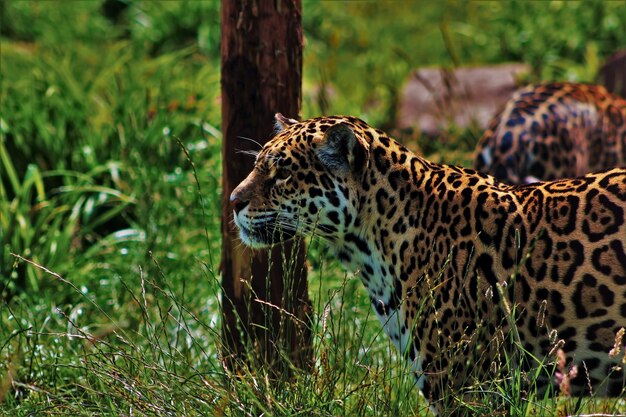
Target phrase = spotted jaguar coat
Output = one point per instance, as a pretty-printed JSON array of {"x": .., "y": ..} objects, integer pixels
[{"x": 460, "y": 269}]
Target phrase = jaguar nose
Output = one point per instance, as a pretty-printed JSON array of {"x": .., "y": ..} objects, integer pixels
[{"x": 236, "y": 202}]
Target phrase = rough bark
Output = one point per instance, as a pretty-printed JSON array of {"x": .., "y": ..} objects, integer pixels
[
  {"x": 613, "y": 73},
  {"x": 265, "y": 296}
]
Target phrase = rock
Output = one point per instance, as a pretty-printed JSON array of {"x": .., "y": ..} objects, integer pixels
[{"x": 434, "y": 98}]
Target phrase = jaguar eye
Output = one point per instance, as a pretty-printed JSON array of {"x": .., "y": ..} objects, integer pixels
[{"x": 282, "y": 174}]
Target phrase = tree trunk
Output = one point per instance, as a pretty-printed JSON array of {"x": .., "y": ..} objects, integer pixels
[
  {"x": 265, "y": 297},
  {"x": 613, "y": 73}
]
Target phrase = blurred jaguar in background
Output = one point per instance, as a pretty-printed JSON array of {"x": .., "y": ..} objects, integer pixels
[{"x": 552, "y": 131}]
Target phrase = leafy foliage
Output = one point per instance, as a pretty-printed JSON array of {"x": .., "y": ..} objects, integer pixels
[
  {"x": 95, "y": 144},
  {"x": 357, "y": 56}
]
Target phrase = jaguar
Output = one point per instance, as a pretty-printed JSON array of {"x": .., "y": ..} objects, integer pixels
[
  {"x": 552, "y": 131},
  {"x": 453, "y": 260}
]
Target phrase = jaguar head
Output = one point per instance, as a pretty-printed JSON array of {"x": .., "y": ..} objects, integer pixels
[{"x": 305, "y": 182}]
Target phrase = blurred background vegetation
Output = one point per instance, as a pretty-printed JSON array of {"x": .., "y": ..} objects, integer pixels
[{"x": 98, "y": 99}]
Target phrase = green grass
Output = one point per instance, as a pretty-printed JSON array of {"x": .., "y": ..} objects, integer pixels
[{"x": 109, "y": 256}]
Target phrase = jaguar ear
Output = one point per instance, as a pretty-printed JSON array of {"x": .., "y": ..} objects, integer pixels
[
  {"x": 340, "y": 150},
  {"x": 283, "y": 122}
]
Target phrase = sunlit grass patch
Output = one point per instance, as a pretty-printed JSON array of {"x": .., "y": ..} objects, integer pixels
[{"x": 161, "y": 357}]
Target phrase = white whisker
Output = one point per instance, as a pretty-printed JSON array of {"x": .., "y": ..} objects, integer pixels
[
  {"x": 251, "y": 140},
  {"x": 249, "y": 152}
]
